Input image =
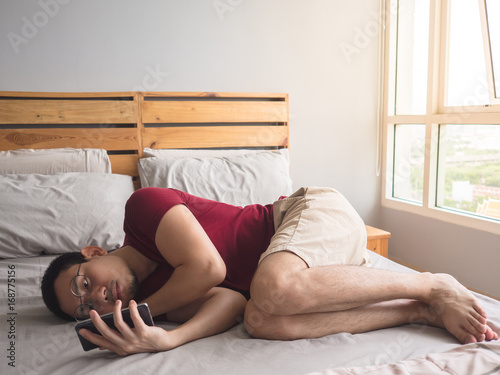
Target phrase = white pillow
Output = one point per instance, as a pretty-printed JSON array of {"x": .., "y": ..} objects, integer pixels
[
  {"x": 202, "y": 153},
  {"x": 255, "y": 177},
  {"x": 56, "y": 160},
  {"x": 54, "y": 214}
]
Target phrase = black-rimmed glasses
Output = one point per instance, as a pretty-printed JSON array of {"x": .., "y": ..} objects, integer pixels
[{"x": 81, "y": 286}]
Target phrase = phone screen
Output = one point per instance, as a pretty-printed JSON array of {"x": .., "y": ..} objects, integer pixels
[{"x": 108, "y": 319}]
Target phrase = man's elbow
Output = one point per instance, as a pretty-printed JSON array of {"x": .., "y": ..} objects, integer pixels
[{"x": 215, "y": 271}]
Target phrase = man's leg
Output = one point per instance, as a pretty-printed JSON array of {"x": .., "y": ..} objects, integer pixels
[
  {"x": 284, "y": 285},
  {"x": 358, "y": 320}
]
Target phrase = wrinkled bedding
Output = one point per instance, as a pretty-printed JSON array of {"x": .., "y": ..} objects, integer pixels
[{"x": 479, "y": 358}]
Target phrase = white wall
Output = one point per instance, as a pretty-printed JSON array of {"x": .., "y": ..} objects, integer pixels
[
  {"x": 296, "y": 47},
  {"x": 472, "y": 256}
]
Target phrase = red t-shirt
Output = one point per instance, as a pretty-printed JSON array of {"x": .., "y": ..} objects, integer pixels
[{"x": 240, "y": 234}]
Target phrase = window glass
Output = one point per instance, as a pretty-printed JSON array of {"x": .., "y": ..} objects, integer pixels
[
  {"x": 411, "y": 57},
  {"x": 493, "y": 15},
  {"x": 469, "y": 169},
  {"x": 467, "y": 83},
  {"x": 409, "y": 152}
]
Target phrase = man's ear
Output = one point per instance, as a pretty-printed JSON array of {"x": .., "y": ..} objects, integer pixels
[{"x": 93, "y": 251}]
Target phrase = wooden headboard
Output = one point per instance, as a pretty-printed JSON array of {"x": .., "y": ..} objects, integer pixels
[{"x": 124, "y": 123}]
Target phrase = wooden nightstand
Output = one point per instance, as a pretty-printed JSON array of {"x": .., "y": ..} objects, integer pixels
[{"x": 378, "y": 240}]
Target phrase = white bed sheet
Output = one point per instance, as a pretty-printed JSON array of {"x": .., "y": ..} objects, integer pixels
[{"x": 45, "y": 345}]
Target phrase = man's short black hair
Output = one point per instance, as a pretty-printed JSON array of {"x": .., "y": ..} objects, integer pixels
[{"x": 61, "y": 263}]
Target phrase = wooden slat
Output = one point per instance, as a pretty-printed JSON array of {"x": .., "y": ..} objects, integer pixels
[
  {"x": 41, "y": 111},
  {"x": 124, "y": 164},
  {"x": 106, "y": 138},
  {"x": 213, "y": 112},
  {"x": 215, "y": 136},
  {"x": 65, "y": 95},
  {"x": 208, "y": 94}
]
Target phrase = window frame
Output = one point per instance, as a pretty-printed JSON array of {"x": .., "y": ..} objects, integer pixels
[
  {"x": 487, "y": 53},
  {"x": 436, "y": 113}
]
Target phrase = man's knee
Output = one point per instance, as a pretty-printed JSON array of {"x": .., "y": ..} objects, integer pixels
[
  {"x": 278, "y": 294},
  {"x": 261, "y": 325}
]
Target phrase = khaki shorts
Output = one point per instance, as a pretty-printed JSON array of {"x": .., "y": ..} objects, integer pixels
[{"x": 321, "y": 227}]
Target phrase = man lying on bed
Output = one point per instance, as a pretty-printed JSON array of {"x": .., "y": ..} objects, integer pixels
[{"x": 196, "y": 260}]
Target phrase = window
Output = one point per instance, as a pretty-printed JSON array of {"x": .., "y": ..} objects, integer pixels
[
  {"x": 466, "y": 58},
  {"x": 408, "y": 166},
  {"x": 469, "y": 168},
  {"x": 441, "y": 110},
  {"x": 411, "y": 55}
]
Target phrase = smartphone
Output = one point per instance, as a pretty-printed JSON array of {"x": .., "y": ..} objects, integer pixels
[{"x": 108, "y": 319}]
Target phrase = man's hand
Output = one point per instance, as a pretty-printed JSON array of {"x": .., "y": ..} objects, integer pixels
[
  {"x": 216, "y": 312},
  {"x": 140, "y": 339}
]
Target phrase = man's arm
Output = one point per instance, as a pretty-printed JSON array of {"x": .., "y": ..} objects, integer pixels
[
  {"x": 214, "y": 313},
  {"x": 198, "y": 266},
  {"x": 218, "y": 311}
]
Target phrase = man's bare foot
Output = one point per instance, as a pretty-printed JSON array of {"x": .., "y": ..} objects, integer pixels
[
  {"x": 458, "y": 310},
  {"x": 427, "y": 315}
]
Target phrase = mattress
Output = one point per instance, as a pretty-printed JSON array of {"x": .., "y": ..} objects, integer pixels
[{"x": 33, "y": 341}]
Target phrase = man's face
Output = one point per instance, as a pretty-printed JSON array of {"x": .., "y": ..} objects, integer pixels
[{"x": 110, "y": 278}]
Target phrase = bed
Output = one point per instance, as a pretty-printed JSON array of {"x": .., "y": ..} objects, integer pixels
[{"x": 92, "y": 150}]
